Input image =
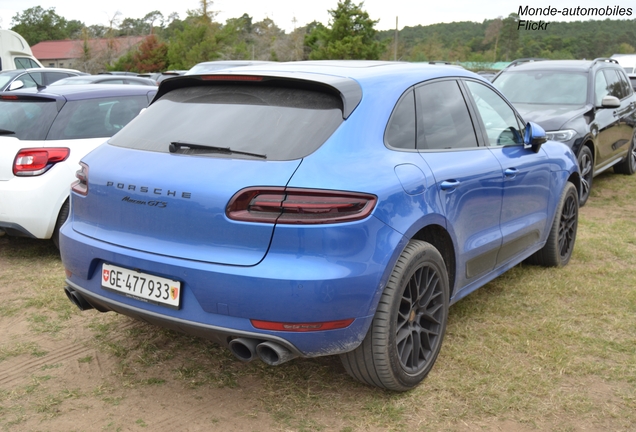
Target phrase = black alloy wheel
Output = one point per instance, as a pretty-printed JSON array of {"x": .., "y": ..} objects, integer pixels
[
  {"x": 586, "y": 166},
  {"x": 567, "y": 227},
  {"x": 408, "y": 328}
]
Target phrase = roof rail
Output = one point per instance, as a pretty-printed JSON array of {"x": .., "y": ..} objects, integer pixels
[
  {"x": 524, "y": 60},
  {"x": 604, "y": 60}
]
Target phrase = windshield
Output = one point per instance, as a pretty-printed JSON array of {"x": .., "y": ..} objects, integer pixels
[
  {"x": 544, "y": 87},
  {"x": 30, "y": 120},
  {"x": 282, "y": 123}
]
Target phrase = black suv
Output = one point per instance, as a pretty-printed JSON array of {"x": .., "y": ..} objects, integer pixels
[{"x": 587, "y": 104}]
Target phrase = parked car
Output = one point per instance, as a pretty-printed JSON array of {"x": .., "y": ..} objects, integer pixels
[
  {"x": 160, "y": 76},
  {"x": 587, "y": 104},
  {"x": 24, "y": 78},
  {"x": 632, "y": 79},
  {"x": 211, "y": 66},
  {"x": 43, "y": 135},
  {"x": 106, "y": 79},
  {"x": 317, "y": 208}
]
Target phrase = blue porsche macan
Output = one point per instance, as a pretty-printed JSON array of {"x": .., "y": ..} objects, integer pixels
[{"x": 317, "y": 208}]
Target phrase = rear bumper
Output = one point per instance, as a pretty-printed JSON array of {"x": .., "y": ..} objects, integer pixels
[
  {"x": 29, "y": 205},
  {"x": 218, "y": 301}
]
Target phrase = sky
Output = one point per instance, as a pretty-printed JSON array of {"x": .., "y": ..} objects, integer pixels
[{"x": 288, "y": 14}]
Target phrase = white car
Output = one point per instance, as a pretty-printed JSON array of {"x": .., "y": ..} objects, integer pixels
[{"x": 43, "y": 136}]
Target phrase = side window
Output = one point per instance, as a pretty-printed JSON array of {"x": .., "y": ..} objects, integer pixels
[
  {"x": 500, "y": 121},
  {"x": 51, "y": 77},
  {"x": 28, "y": 80},
  {"x": 400, "y": 131},
  {"x": 614, "y": 87},
  {"x": 600, "y": 88},
  {"x": 443, "y": 121},
  {"x": 625, "y": 85}
]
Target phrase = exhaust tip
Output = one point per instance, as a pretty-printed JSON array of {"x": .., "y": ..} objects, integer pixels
[
  {"x": 77, "y": 299},
  {"x": 244, "y": 349},
  {"x": 274, "y": 354}
]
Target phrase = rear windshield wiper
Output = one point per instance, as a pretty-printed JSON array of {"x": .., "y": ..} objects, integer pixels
[
  {"x": 6, "y": 132},
  {"x": 175, "y": 146}
]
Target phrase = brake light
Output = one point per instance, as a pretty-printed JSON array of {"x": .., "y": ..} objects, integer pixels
[
  {"x": 37, "y": 161},
  {"x": 7, "y": 97},
  {"x": 231, "y": 78},
  {"x": 80, "y": 186},
  {"x": 301, "y": 327},
  {"x": 299, "y": 206}
]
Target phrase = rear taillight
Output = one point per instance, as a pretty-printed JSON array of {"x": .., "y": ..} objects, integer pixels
[
  {"x": 37, "y": 161},
  {"x": 299, "y": 206},
  {"x": 81, "y": 185}
]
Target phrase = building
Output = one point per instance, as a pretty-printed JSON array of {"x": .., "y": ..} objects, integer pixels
[{"x": 85, "y": 55}]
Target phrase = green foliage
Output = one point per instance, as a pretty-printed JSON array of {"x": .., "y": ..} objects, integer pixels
[
  {"x": 489, "y": 42},
  {"x": 150, "y": 56},
  {"x": 350, "y": 35},
  {"x": 36, "y": 24},
  {"x": 196, "y": 43}
]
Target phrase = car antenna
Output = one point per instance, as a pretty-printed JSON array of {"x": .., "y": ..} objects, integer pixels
[{"x": 37, "y": 84}]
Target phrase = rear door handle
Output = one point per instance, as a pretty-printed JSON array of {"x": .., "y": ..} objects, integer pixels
[
  {"x": 511, "y": 173},
  {"x": 449, "y": 185}
]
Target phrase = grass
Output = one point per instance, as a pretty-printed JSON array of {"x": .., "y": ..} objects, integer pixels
[{"x": 536, "y": 349}]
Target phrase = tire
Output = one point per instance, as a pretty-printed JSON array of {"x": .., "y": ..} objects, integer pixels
[
  {"x": 408, "y": 328},
  {"x": 61, "y": 218},
  {"x": 586, "y": 165},
  {"x": 628, "y": 166},
  {"x": 558, "y": 249}
]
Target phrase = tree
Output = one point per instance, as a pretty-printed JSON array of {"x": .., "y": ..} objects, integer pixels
[
  {"x": 149, "y": 56},
  {"x": 36, "y": 24},
  {"x": 493, "y": 32},
  {"x": 510, "y": 36},
  {"x": 196, "y": 42},
  {"x": 350, "y": 35}
]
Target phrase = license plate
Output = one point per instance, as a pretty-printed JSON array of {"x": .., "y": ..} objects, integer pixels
[{"x": 142, "y": 286}]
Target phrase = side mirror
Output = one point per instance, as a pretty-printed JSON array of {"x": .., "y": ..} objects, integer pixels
[
  {"x": 533, "y": 136},
  {"x": 17, "y": 84},
  {"x": 610, "y": 102}
]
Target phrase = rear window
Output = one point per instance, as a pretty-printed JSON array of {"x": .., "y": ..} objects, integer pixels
[
  {"x": 96, "y": 118},
  {"x": 281, "y": 123},
  {"x": 27, "y": 119}
]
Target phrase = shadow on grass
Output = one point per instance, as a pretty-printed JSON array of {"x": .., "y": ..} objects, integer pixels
[{"x": 21, "y": 247}]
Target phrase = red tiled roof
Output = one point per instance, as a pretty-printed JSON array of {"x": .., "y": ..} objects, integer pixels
[{"x": 70, "y": 49}]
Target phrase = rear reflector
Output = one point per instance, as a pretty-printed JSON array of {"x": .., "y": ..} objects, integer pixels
[
  {"x": 299, "y": 206},
  {"x": 302, "y": 327},
  {"x": 37, "y": 161}
]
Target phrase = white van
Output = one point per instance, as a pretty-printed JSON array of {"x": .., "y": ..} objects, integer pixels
[
  {"x": 15, "y": 52},
  {"x": 627, "y": 62}
]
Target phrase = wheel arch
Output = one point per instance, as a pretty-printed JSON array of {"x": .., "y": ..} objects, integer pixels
[
  {"x": 575, "y": 179},
  {"x": 439, "y": 237}
]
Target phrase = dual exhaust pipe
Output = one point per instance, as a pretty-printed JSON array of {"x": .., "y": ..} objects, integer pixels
[
  {"x": 244, "y": 349},
  {"x": 270, "y": 353}
]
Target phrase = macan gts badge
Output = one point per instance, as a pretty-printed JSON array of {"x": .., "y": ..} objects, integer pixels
[{"x": 298, "y": 218}]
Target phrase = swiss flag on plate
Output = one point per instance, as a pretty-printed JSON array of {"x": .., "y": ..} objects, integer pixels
[{"x": 106, "y": 275}]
